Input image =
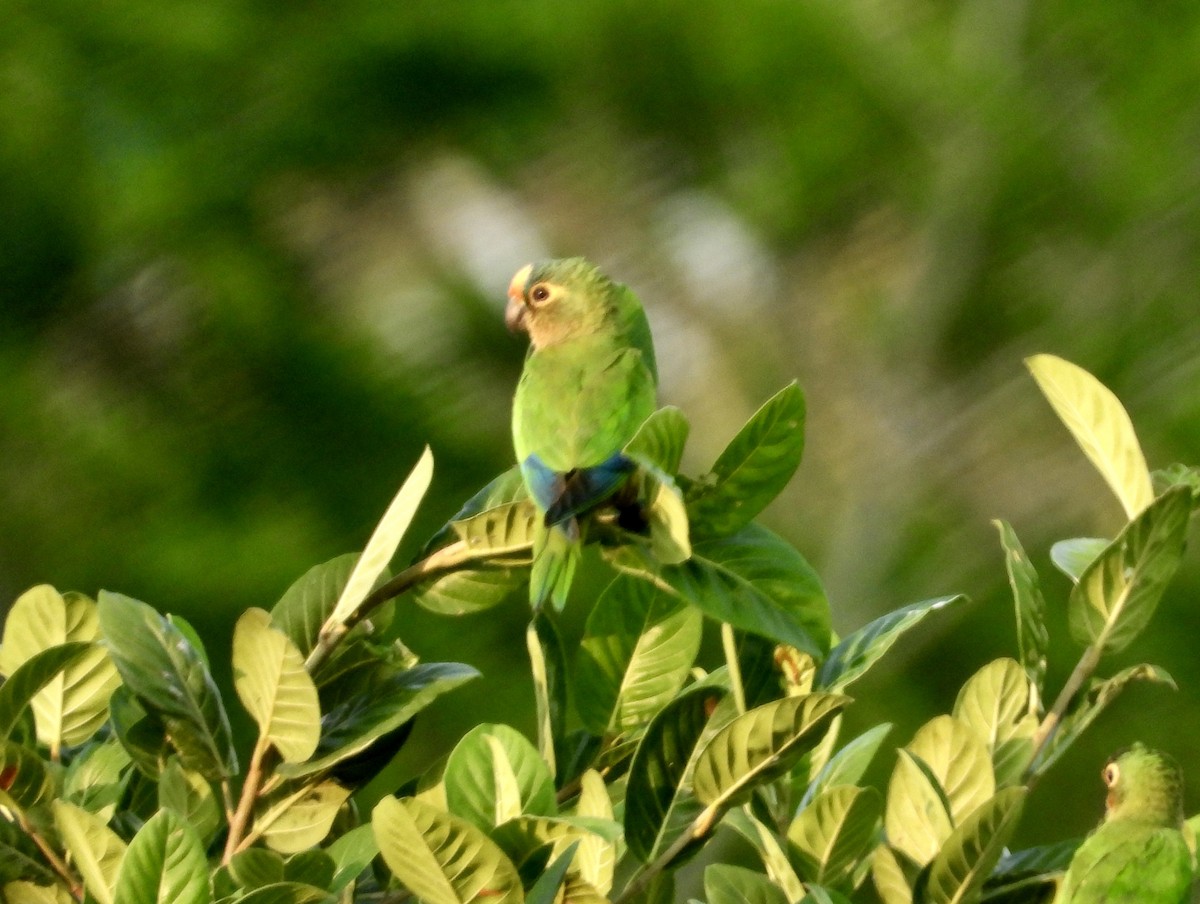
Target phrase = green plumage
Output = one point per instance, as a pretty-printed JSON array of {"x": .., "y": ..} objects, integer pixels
[
  {"x": 1138, "y": 855},
  {"x": 589, "y": 382}
]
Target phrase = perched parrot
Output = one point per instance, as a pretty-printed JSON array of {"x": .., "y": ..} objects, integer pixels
[
  {"x": 588, "y": 383},
  {"x": 1138, "y": 854}
]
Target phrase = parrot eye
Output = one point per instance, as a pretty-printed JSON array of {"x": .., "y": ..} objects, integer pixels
[
  {"x": 539, "y": 293},
  {"x": 1110, "y": 774}
]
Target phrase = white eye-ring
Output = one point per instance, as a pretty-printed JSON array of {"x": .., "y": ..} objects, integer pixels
[
  {"x": 539, "y": 293},
  {"x": 1111, "y": 774}
]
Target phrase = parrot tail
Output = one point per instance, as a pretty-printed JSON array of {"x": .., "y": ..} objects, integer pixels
[{"x": 555, "y": 555}]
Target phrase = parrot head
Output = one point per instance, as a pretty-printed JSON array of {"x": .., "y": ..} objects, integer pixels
[
  {"x": 1144, "y": 785},
  {"x": 558, "y": 300}
]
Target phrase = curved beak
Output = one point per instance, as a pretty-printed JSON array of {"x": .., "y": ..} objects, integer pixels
[{"x": 516, "y": 309}]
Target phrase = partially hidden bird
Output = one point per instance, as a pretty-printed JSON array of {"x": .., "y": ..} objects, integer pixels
[
  {"x": 1138, "y": 854},
  {"x": 588, "y": 383}
]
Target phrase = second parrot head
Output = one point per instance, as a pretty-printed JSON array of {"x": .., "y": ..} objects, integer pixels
[
  {"x": 1145, "y": 785},
  {"x": 558, "y": 300}
]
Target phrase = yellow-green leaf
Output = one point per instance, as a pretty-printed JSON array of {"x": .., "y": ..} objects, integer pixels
[
  {"x": 958, "y": 759},
  {"x": 994, "y": 703},
  {"x": 300, "y": 820},
  {"x": 833, "y": 832},
  {"x": 96, "y": 850},
  {"x": 274, "y": 686},
  {"x": 1101, "y": 426},
  {"x": 916, "y": 820},
  {"x": 972, "y": 851}
]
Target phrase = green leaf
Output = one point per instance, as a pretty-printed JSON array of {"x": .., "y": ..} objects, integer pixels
[
  {"x": 596, "y": 858},
  {"x": 26, "y": 681},
  {"x": 255, "y": 867},
  {"x": 352, "y": 853},
  {"x": 958, "y": 759},
  {"x": 755, "y": 466},
  {"x": 661, "y": 439},
  {"x": 97, "y": 778},
  {"x": 888, "y": 877},
  {"x": 294, "y": 820},
  {"x": 286, "y": 893},
  {"x": 752, "y": 580},
  {"x": 441, "y": 858},
  {"x": 378, "y": 708},
  {"x": 1118, "y": 593},
  {"x": 659, "y": 804},
  {"x": 1072, "y": 557},
  {"x": 25, "y": 779},
  {"x": 1029, "y": 875},
  {"x": 855, "y": 655},
  {"x": 548, "y": 667},
  {"x": 274, "y": 686},
  {"x": 494, "y": 774},
  {"x": 71, "y": 707},
  {"x": 312, "y": 867},
  {"x": 1086, "y": 707},
  {"x": 171, "y": 681},
  {"x": 29, "y": 893},
  {"x": 309, "y": 601},
  {"x": 637, "y": 649},
  {"x": 142, "y": 735},
  {"x": 848, "y": 765},
  {"x": 1032, "y": 636},
  {"x": 384, "y": 540},
  {"x": 191, "y": 797},
  {"x": 764, "y": 841},
  {"x": 917, "y": 815},
  {"x": 994, "y": 703},
  {"x": 1099, "y": 424},
  {"x": 95, "y": 849},
  {"x": 957, "y": 873},
  {"x": 760, "y": 745},
  {"x": 831, "y": 835},
  {"x": 726, "y": 884},
  {"x": 545, "y": 890},
  {"x": 20, "y": 857},
  {"x": 523, "y": 837},
  {"x": 164, "y": 863}
]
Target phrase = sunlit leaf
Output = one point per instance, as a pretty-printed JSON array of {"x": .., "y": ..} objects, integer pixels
[
  {"x": 1032, "y": 636},
  {"x": 848, "y": 765},
  {"x": 34, "y": 674},
  {"x": 97, "y": 778},
  {"x": 274, "y": 686},
  {"x": 97, "y": 851},
  {"x": 1119, "y": 591},
  {"x": 171, "y": 681},
  {"x": 295, "y": 820},
  {"x": 765, "y": 841},
  {"x": 958, "y": 759},
  {"x": 727, "y": 884},
  {"x": 994, "y": 703},
  {"x": 441, "y": 858},
  {"x": 833, "y": 832},
  {"x": 887, "y": 875},
  {"x": 753, "y": 469},
  {"x": 494, "y": 773},
  {"x": 191, "y": 796},
  {"x": 164, "y": 863},
  {"x": 597, "y": 856},
  {"x": 851, "y": 658},
  {"x": 958, "y": 871},
  {"x": 309, "y": 601},
  {"x": 548, "y": 669},
  {"x": 1072, "y": 557},
  {"x": 352, "y": 853},
  {"x": 760, "y": 745},
  {"x": 21, "y": 892},
  {"x": 637, "y": 649},
  {"x": 917, "y": 815},
  {"x": 659, "y": 804},
  {"x": 74, "y": 704},
  {"x": 661, "y": 439}
]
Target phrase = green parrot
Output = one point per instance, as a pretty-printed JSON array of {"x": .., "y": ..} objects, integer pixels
[
  {"x": 1138, "y": 855},
  {"x": 588, "y": 383}
]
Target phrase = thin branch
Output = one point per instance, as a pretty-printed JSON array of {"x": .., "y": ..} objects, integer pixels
[
  {"x": 699, "y": 827},
  {"x": 74, "y": 885},
  {"x": 250, "y": 788},
  {"x": 1049, "y": 725}
]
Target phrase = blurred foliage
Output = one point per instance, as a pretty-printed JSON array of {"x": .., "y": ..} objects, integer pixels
[{"x": 253, "y": 257}]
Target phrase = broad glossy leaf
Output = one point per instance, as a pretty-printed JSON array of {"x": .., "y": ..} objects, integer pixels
[
  {"x": 753, "y": 469},
  {"x": 994, "y": 703},
  {"x": 171, "y": 681},
  {"x": 309, "y": 601},
  {"x": 760, "y": 745},
  {"x": 312, "y": 867},
  {"x": 1101, "y": 426},
  {"x": 887, "y": 875},
  {"x": 958, "y": 872},
  {"x": 274, "y": 686},
  {"x": 493, "y": 774},
  {"x": 848, "y": 765},
  {"x": 382, "y": 706},
  {"x": 1072, "y": 557},
  {"x": 752, "y": 580},
  {"x": 659, "y": 804},
  {"x": 524, "y": 837},
  {"x": 851, "y": 658},
  {"x": 142, "y": 735},
  {"x": 27, "y": 680},
  {"x": 727, "y": 884},
  {"x": 286, "y": 893},
  {"x": 293, "y": 821},
  {"x": 830, "y": 836},
  {"x": 548, "y": 668},
  {"x": 596, "y": 858},
  {"x": 97, "y": 778},
  {"x": 1118, "y": 593},
  {"x": 441, "y": 858},
  {"x": 384, "y": 540},
  {"x": 26, "y": 780},
  {"x": 548, "y": 885},
  {"x": 1017, "y": 870},
  {"x": 638, "y": 647},
  {"x": 1032, "y": 635},
  {"x": 255, "y": 867},
  {"x": 95, "y": 849},
  {"x": 917, "y": 816},
  {"x": 1086, "y": 707},
  {"x": 73, "y": 705},
  {"x": 661, "y": 439},
  {"x": 352, "y": 853},
  {"x": 20, "y": 857},
  {"x": 21, "y": 892},
  {"x": 770, "y": 851},
  {"x": 191, "y": 796},
  {"x": 164, "y": 864},
  {"x": 958, "y": 759}
]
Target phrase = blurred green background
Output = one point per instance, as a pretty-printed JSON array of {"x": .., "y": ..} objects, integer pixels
[{"x": 253, "y": 257}]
